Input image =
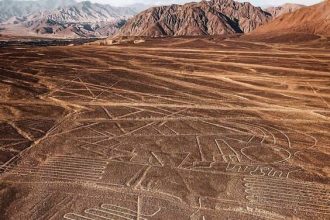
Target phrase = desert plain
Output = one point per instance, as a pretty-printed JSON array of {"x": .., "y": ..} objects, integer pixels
[{"x": 172, "y": 128}]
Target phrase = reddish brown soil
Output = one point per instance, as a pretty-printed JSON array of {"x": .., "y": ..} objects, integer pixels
[{"x": 182, "y": 128}]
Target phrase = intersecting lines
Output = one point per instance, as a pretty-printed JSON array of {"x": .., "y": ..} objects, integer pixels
[
  {"x": 228, "y": 154},
  {"x": 110, "y": 212},
  {"x": 35, "y": 128},
  {"x": 13, "y": 145},
  {"x": 260, "y": 132},
  {"x": 296, "y": 195},
  {"x": 66, "y": 168},
  {"x": 58, "y": 201},
  {"x": 12, "y": 142},
  {"x": 131, "y": 112},
  {"x": 100, "y": 146},
  {"x": 85, "y": 90},
  {"x": 10, "y": 152},
  {"x": 77, "y": 89}
]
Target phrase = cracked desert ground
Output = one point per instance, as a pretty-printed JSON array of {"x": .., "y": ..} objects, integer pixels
[{"x": 179, "y": 128}]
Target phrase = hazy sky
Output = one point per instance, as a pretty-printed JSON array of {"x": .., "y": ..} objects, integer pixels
[{"x": 255, "y": 2}]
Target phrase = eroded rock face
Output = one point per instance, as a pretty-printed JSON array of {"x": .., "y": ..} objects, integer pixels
[{"x": 214, "y": 17}]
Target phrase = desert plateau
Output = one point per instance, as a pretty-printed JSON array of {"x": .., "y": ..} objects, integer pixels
[{"x": 173, "y": 126}]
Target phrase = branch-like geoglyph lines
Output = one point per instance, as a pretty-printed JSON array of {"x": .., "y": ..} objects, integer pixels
[
  {"x": 210, "y": 135},
  {"x": 66, "y": 168},
  {"x": 88, "y": 91},
  {"x": 109, "y": 212},
  {"x": 227, "y": 152},
  {"x": 295, "y": 195}
]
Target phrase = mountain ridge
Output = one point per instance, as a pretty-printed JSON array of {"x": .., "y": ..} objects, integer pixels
[
  {"x": 314, "y": 19},
  {"x": 20, "y": 8},
  {"x": 83, "y": 19},
  {"x": 213, "y": 17}
]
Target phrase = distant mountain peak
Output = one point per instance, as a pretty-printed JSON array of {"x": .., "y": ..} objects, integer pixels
[
  {"x": 21, "y": 8},
  {"x": 284, "y": 9},
  {"x": 82, "y": 19},
  {"x": 214, "y": 17}
]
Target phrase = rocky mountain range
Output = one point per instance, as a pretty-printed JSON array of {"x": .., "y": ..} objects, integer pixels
[
  {"x": 71, "y": 19},
  {"x": 20, "y": 8},
  {"x": 213, "y": 17},
  {"x": 308, "y": 20},
  {"x": 83, "y": 19}
]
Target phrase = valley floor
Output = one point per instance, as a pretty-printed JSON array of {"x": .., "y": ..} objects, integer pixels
[{"x": 182, "y": 128}]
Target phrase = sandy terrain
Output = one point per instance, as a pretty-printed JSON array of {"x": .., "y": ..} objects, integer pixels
[{"x": 166, "y": 129}]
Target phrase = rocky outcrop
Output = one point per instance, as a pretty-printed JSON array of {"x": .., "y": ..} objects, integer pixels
[{"x": 215, "y": 17}]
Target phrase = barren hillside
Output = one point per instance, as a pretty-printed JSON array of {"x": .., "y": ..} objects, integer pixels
[
  {"x": 310, "y": 20},
  {"x": 214, "y": 17}
]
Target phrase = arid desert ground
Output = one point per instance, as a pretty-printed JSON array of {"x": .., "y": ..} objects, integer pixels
[{"x": 178, "y": 128}]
